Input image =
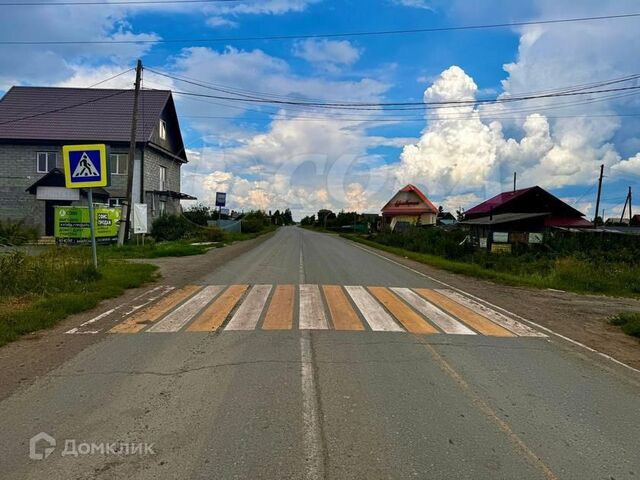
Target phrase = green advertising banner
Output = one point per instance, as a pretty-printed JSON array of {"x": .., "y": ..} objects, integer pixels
[{"x": 72, "y": 224}]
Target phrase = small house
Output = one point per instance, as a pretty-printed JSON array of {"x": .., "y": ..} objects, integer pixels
[
  {"x": 409, "y": 206},
  {"x": 519, "y": 217}
]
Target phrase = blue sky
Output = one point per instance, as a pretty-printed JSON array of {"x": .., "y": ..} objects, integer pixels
[{"x": 307, "y": 160}]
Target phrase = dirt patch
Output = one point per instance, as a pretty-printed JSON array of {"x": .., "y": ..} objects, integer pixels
[
  {"x": 24, "y": 360},
  {"x": 582, "y": 318}
]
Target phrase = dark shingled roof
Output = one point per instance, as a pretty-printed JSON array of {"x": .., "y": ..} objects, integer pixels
[{"x": 78, "y": 114}]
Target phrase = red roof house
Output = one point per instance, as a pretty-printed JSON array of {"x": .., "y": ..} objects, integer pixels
[{"x": 409, "y": 206}]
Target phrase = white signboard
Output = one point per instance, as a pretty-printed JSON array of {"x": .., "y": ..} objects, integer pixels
[
  {"x": 501, "y": 237},
  {"x": 535, "y": 238},
  {"x": 140, "y": 218},
  {"x": 57, "y": 193}
]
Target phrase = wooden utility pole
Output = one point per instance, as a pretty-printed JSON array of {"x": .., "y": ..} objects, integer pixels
[
  {"x": 514, "y": 181},
  {"x": 125, "y": 218},
  {"x": 624, "y": 209},
  {"x": 595, "y": 219}
]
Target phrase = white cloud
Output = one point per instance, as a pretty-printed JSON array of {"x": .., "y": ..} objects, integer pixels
[
  {"x": 423, "y": 4},
  {"x": 458, "y": 153},
  {"x": 222, "y": 11},
  {"x": 327, "y": 54},
  {"x": 630, "y": 166},
  {"x": 217, "y": 21}
]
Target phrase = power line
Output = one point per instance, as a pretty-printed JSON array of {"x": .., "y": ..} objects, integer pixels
[
  {"x": 123, "y": 2},
  {"x": 371, "y": 33},
  {"x": 60, "y": 109}
]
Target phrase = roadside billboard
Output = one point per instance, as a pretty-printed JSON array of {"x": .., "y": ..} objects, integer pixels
[{"x": 72, "y": 224}]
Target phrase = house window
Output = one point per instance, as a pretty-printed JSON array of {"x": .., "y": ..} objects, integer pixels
[
  {"x": 116, "y": 202},
  {"x": 163, "y": 207},
  {"x": 163, "y": 130},
  {"x": 46, "y": 161},
  {"x": 119, "y": 163},
  {"x": 163, "y": 179}
]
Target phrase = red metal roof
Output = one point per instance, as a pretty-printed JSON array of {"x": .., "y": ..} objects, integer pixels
[
  {"x": 488, "y": 205},
  {"x": 390, "y": 208}
]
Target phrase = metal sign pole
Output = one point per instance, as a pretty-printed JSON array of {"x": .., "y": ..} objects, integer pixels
[{"x": 92, "y": 228}]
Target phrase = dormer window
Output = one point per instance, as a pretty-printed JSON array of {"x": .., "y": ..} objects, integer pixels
[{"x": 163, "y": 130}]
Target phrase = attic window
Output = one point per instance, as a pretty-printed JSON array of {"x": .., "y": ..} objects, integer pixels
[{"x": 163, "y": 130}]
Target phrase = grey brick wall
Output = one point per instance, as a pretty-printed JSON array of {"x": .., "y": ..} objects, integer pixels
[{"x": 18, "y": 171}]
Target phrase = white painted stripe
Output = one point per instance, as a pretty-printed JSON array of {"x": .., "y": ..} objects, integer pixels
[
  {"x": 311, "y": 434},
  {"x": 177, "y": 319},
  {"x": 77, "y": 330},
  {"x": 443, "y": 320},
  {"x": 248, "y": 314},
  {"x": 496, "y": 317},
  {"x": 312, "y": 314},
  {"x": 377, "y": 318}
]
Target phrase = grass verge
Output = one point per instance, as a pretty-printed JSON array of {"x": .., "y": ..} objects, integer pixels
[
  {"x": 629, "y": 322},
  {"x": 45, "y": 291},
  {"x": 569, "y": 274}
]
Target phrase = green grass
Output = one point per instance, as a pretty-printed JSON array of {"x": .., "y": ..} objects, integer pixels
[
  {"x": 30, "y": 311},
  {"x": 628, "y": 321},
  {"x": 568, "y": 273},
  {"x": 151, "y": 249}
]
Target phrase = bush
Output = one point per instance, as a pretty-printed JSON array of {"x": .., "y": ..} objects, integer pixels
[
  {"x": 171, "y": 227},
  {"x": 254, "y": 222},
  {"x": 16, "y": 233},
  {"x": 628, "y": 321},
  {"x": 211, "y": 234}
]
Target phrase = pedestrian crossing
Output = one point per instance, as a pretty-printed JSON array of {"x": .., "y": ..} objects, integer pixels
[{"x": 199, "y": 308}]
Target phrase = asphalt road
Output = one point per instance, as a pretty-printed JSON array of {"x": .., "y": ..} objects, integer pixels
[{"x": 316, "y": 403}]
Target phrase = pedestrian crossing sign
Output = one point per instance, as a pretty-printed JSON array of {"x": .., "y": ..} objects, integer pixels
[{"x": 85, "y": 166}]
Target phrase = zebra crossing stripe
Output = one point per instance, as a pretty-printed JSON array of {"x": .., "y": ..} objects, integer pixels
[
  {"x": 493, "y": 315},
  {"x": 443, "y": 321},
  {"x": 215, "y": 314},
  {"x": 280, "y": 313},
  {"x": 343, "y": 315},
  {"x": 311, "y": 316},
  {"x": 248, "y": 314},
  {"x": 409, "y": 319},
  {"x": 143, "y": 318},
  {"x": 471, "y": 318},
  {"x": 177, "y": 319},
  {"x": 374, "y": 314}
]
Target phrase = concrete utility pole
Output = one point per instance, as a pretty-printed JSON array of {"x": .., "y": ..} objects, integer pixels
[
  {"x": 125, "y": 218},
  {"x": 514, "y": 181},
  {"x": 595, "y": 219}
]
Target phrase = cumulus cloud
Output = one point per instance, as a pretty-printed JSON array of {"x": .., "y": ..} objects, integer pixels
[
  {"x": 462, "y": 152},
  {"x": 327, "y": 54}
]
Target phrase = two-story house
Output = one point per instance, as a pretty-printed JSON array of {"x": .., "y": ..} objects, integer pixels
[{"x": 35, "y": 122}]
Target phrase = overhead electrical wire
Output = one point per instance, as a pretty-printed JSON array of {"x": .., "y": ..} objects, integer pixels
[
  {"x": 371, "y": 33},
  {"x": 103, "y": 2}
]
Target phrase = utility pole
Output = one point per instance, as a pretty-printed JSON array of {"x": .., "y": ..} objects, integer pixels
[
  {"x": 125, "y": 218},
  {"x": 624, "y": 209},
  {"x": 514, "y": 181},
  {"x": 595, "y": 220}
]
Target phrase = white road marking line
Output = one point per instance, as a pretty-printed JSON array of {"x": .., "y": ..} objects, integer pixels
[
  {"x": 177, "y": 319},
  {"x": 312, "y": 314},
  {"x": 301, "y": 266},
  {"x": 311, "y": 434},
  {"x": 77, "y": 330},
  {"x": 493, "y": 315},
  {"x": 248, "y": 314},
  {"x": 377, "y": 318},
  {"x": 443, "y": 320}
]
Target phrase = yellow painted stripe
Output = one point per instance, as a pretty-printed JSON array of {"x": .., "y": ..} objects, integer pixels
[
  {"x": 343, "y": 315},
  {"x": 143, "y": 318},
  {"x": 477, "y": 322},
  {"x": 216, "y": 313},
  {"x": 413, "y": 322},
  {"x": 280, "y": 313}
]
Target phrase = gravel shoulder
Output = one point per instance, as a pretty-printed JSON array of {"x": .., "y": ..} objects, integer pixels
[{"x": 582, "y": 318}]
